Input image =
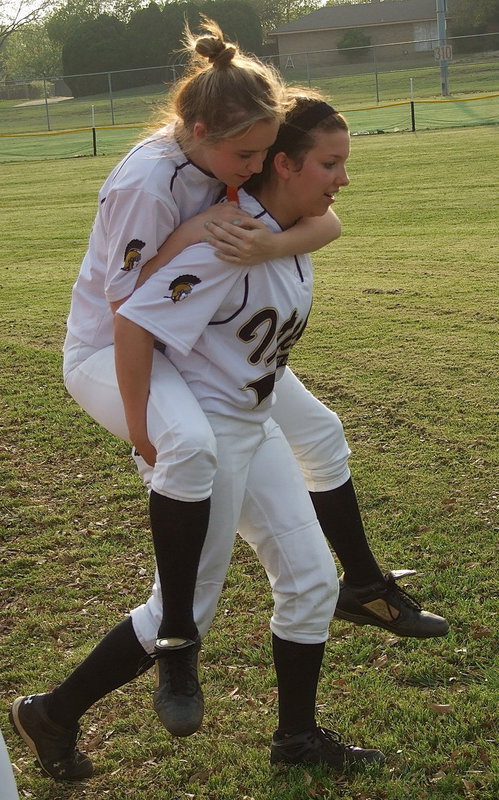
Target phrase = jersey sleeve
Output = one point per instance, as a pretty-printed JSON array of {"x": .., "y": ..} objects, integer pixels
[
  {"x": 137, "y": 225},
  {"x": 178, "y": 302}
]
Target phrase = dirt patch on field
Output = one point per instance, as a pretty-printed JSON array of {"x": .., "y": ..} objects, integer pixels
[{"x": 41, "y": 102}]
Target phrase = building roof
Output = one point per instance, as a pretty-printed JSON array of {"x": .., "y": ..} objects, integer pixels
[{"x": 359, "y": 14}]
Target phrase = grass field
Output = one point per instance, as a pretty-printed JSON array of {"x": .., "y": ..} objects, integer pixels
[
  {"x": 39, "y": 131},
  {"x": 346, "y": 90},
  {"x": 402, "y": 343},
  {"x": 391, "y": 118}
]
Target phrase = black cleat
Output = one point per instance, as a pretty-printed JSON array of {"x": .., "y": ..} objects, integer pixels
[
  {"x": 54, "y": 746},
  {"x": 178, "y": 699},
  {"x": 386, "y": 605},
  {"x": 321, "y": 746}
]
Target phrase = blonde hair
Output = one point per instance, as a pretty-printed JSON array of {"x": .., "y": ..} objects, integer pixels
[{"x": 228, "y": 94}]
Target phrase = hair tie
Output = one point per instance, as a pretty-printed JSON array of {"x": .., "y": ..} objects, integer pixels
[{"x": 311, "y": 116}]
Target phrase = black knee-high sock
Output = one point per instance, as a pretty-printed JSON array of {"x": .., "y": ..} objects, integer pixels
[
  {"x": 340, "y": 519},
  {"x": 297, "y": 668},
  {"x": 116, "y": 660},
  {"x": 178, "y": 530}
]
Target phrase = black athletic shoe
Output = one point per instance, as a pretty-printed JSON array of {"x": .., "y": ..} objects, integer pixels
[
  {"x": 386, "y": 605},
  {"x": 54, "y": 747},
  {"x": 178, "y": 699},
  {"x": 321, "y": 746}
]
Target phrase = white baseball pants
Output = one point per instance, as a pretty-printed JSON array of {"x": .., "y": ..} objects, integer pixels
[
  {"x": 177, "y": 427},
  {"x": 258, "y": 488},
  {"x": 314, "y": 432},
  {"x": 179, "y": 430},
  {"x": 279, "y": 523}
]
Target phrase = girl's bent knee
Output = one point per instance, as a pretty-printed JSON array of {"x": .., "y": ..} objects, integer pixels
[{"x": 188, "y": 472}]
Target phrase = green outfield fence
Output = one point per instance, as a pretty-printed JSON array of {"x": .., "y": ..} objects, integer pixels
[
  {"x": 408, "y": 115},
  {"x": 381, "y": 89}
]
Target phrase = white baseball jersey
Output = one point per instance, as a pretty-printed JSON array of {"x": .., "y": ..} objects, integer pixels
[
  {"x": 227, "y": 330},
  {"x": 148, "y": 194}
]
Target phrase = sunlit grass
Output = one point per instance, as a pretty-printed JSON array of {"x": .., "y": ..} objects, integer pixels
[{"x": 402, "y": 343}]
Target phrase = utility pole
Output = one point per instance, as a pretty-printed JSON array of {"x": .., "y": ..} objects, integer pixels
[{"x": 442, "y": 41}]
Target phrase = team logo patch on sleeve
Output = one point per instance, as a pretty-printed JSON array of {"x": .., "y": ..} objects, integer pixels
[
  {"x": 181, "y": 287},
  {"x": 132, "y": 254}
]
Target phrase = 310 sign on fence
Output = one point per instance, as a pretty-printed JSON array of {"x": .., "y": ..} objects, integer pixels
[{"x": 443, "y": 52}]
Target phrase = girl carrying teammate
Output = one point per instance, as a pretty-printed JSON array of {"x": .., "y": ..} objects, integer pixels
[
  {"x": 227, "y": 117},
  {"x": 229, "y": 333},
  {"x": 228, "y": 110}
]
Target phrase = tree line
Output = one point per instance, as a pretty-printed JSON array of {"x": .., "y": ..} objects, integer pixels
[{"x": 152, "y": 37}]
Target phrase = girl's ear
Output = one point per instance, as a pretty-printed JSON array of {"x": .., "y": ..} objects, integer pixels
[
  {"x": 199, "y": 131},
  {"x": 283, "y": 165}
]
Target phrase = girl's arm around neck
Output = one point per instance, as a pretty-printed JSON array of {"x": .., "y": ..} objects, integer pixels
[
  {"x": 246, "y": 243},
  {"x": 192, "y": 231},
  {"x": 253, "y": 243},
  {"x": 309, "y": 234}
]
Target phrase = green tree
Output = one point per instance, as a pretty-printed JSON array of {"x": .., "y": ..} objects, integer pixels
[
  {"x": 239, "y": 22},
  {"x": 354, "y": 38},
  {"x": 14, "y": 16},
  {"x": 176, "y": 15},
  {"x": 470, "y": 19},
  {"x": 68, "y": 15},
  {"x": 149, "y": 44},
  {"x": 123, "y": 9},
  {"x": 63, "y": 22},
  {"x": 30, "y": 54},
  {"x": 98, "y": 45},
  {"x": 349, "y": 2},
  {"x": 476, "y": 16},
  {"x": 273, "y": 13}
]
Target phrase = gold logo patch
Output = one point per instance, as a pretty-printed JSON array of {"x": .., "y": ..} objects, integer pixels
[
  {"x": 132, "y": 254},
  {"x": 182, "y": 286},
  {"x": 383, "y": 610}
]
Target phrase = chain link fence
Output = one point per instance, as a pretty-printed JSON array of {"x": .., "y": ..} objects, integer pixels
[{"x": 397, "y": 77}]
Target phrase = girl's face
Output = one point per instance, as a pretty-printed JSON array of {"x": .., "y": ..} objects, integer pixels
[
  {"x": 234, "y": 160},
  {"x": 312, "y": 187}
]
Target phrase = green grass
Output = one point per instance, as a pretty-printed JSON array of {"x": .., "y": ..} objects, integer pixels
[
  {"x": 43, "y": 146},
  {"x": 402, "y": 343},
  {"x": 473, "y": 87},
  {"x": 394, "y": 81},
  {"x": 130, "y": 107},
  {"x": 480, "y": 110},
  {"x": 347, "y": 90}
]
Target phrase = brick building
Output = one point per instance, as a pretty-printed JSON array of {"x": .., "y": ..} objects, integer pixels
[{"x": 410, "y": 23}]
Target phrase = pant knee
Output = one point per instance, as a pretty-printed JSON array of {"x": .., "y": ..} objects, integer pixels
[
  {"x": 324, "y": 463},
  {"x": 304, "y": 616},
  {"x": 311, "y": 624},
  {"x": 187, "y": 472}
]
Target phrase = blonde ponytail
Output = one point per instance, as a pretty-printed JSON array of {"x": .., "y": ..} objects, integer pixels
[{"x": 228, "y": 94}]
